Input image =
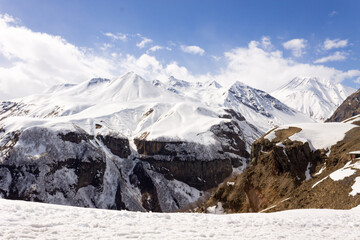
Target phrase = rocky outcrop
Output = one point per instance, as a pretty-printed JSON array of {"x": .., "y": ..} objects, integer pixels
[
  {"x": 141, "y": 179},
  {"x": 65, "y": 173},
  {"x": 285, "y": 174},
  {"x": 202, "y": 175},
  {"x": 118, "y": 146},
  {"x": 199, "y": 166},
  {"x": 349, "y": 108}
]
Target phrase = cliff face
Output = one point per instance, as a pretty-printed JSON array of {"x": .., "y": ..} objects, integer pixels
[
  {"x": 349, "y": 108},
  {"x": 104, "y": 171},
  {"x": 289, "y": 174}
]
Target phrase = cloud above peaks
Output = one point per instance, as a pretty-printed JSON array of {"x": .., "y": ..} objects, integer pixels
[
  {"x": 32, "y": 61},
  {"x": 35, "y": 61},
  {"x": 192, "y": 49},
  {"x": 296, "y": 46},
  {"x": 335, "y": 43},
  {"x": 268, "y": 69},
  {"x": 337, "y": 56}
]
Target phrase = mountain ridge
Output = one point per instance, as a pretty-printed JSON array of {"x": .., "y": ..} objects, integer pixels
[{"x": 316, "y": 98}]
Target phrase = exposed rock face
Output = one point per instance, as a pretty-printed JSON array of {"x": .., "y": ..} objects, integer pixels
[
  {"x": 194, "y": 164},
  {"x": 201, "y": 175},
  {"x": 285, "y": 174},
  {"x": 118, "y": 146},
  {"x": 61, "y": 173},
  {"x": 77, "y": 168},
  {"x": 349, "y": 108},
  {"x": 141, "y": 179}
]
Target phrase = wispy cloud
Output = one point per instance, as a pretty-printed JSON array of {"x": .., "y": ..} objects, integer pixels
[
  {"x": 117, "y": 36},
  {"x": 144, "y": 42},
  {"x": 192, "y": 49},
  {"x": 333, "y": 13},
  {"x": 335, "y": 43},
  {"x": 337, "y": 56},
  {"x": 105, "y": 46},
  {"x": 296, "y": 46},
  {"x": 266, "y": 43},
  {"x": 157, "y": 48}
]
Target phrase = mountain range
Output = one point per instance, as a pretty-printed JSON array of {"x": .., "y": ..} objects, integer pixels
[{"x": 130, "y": 143}]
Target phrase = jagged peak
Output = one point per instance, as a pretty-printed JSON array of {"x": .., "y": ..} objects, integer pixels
[
  {"x": 241, "y": 85},
  {"x": 96, "y": 81},
  {"x": 178, "y": 82},
  {"x": 213, "y": 83}
]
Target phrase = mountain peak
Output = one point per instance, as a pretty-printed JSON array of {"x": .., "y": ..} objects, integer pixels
[
  {"x": 174, "y": 82},
  {"x": 213, "y": 83},
  {"x": 317, "y": 98}
]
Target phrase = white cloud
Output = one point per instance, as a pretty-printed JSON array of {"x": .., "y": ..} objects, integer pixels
[
  {"x": 268, "y": 70},
  {"x": 337, "y": 56},
  {"x": 216, "y": 58},
  {"x": 35, "y": 61},
  {"x": 117, "y": 36},
  {"x": 157, "y": 48},
  {"x": 192, "y": 49},
  {"x": 32, "y": 61},
  {"x": 144, "y": 42},
  {"x": 266, "y": 43},
  {"x": 296, "y": 46},
  {"x": 105, "y": 46},
  {"x": 335, "y": 43},
  {"x": 8, "y": 19}
]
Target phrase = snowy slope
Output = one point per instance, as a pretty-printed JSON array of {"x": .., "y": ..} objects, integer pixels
[
  {"x": 20, "y": 220},
  {"x": 258, "y": 107},
  {"x": 316, "y": 98},
  {"x": 318, "y": 135},
  {"x": 130, "y": 106}
]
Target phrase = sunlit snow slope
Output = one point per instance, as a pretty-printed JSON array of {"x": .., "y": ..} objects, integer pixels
[
  {"x": 316, "y": 98},
  {"x": 22, "y": 220}
]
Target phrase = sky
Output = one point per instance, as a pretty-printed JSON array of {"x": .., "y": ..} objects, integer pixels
[{"x": 262, "y": 43}]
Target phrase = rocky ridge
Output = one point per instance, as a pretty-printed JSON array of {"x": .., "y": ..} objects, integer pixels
[
  {"x": 349, "y": 108},
  {"x": 296, "y": 166}
]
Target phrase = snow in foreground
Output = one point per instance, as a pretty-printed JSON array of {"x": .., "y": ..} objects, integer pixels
[{"x": 20, "y": 220}]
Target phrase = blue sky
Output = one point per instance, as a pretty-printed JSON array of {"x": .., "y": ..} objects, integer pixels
[{"x": 262, "y": 43}]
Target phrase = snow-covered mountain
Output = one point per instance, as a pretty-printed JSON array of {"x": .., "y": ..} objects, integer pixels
[
  {"x": 316, "y": 98},
  {"x": 129, "y": 143},
  {"x": 258, "y": 107}
]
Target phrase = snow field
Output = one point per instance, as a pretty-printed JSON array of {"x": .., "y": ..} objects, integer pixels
[
  {"x": 20, "y": 220},
  {"x": 318, "y": 135}
]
